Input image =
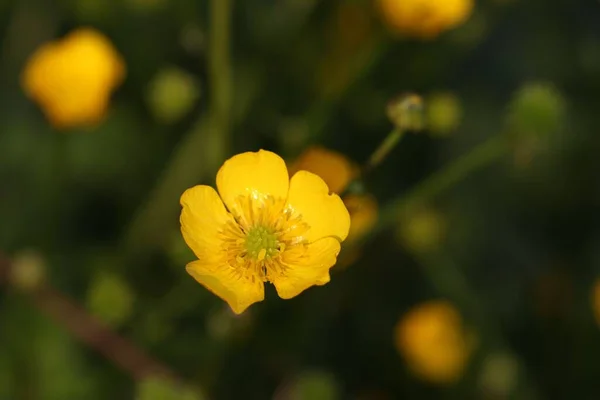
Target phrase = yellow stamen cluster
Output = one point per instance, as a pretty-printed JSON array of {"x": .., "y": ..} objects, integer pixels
[{"x": 262, "y": 232}]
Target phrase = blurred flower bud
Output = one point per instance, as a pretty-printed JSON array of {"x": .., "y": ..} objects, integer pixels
[
  {"x": 422, "y": 230},
  {"x": 444, "y": 113},
  {"x": 110, "y": 298},
  {"x": 499, "y": 375},
  {"x": 157, "y": 388},
  {"x": 172, "y": 94},
  {"x": 72, "y": 78},
  {"x": 406, "y": 112},
  {"x": 536, "y": 110},
  {"x": 27, "y": 270},
  {"x": 334, "y": 168},
  {"x": 433, "y": 342},
  {"x": 424, "y": 18},
  {"x": 311, "y": 384}
]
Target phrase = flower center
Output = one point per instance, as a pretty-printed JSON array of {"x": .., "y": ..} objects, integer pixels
[{"x": 261, "y": 243}]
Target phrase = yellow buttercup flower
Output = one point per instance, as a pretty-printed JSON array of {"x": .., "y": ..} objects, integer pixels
[
  {"x": 72, "y": 78},
  {"x": 433, "y": 342},
  {"x": 425, "y": 18},
  {"x": 334, "y": 168},
  {"x": 264, "y": 227}
]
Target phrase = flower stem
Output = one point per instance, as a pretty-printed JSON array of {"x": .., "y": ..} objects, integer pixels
[
  {"x": 199, "y": 154},
  {"x": 479, "y": 157},
  {"x": 219, "y": 72},
  {"x": 368, "y": 57},
  {"x": 388, "y": 144}
]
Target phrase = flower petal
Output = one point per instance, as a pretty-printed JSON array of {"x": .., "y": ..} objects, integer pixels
[
  {"x": 325, "y": 213},
  {"x": 202, "y": 217},
  {"x": 257, "y": 174},
  {"x": 222, "y": 280},
  {"x": 306, "y": 266}
]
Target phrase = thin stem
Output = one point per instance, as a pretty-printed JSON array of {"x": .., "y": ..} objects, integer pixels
[
  {"x": 319, "y": 114},
  {"x": 219, "y": 72},
  {"x": 481, "y": 156},
  {"x": 201, "y": 151},
  {"x": 388, "y": 144}
]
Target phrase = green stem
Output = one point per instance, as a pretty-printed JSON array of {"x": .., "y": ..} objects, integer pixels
[
  {"x": 479, "y": 157},
  {"x": 201, "y": 151},
  {"x": 219, "y": 72},
  {"x": 388, "y": 144},
  {"x": 318, "y": 115}
]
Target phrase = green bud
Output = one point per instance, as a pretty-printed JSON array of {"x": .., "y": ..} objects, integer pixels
[
  {"x": 313, "y": 384},
  {"x": 406, "y": 112},
  {"x": 27, "y": 270},
  {"x": 444, "y": 113},
  {"x": 172, "y": 94},
  {"x": 537, "y": 110},
  {"x": 156, "y": 388},
  {"x": 110, "y": 298}
]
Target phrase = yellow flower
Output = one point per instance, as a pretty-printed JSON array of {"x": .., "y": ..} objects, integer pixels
[
  {"x": 72, "y": 78},
  {"x": 433, "y": 342},
  {"x": 264, "y": 227},
  {"x": 425, "y": 18},
  {"x": 334, "y": 168}
]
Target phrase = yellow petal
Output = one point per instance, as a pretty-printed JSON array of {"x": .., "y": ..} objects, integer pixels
[
  {"x": 202, "y": 217},
  {"x": 306, "y": 266},
  {"x": 257, "y": 174},
  {"x": 325, "y": 214},
  {"x": 222, "y": 280}
]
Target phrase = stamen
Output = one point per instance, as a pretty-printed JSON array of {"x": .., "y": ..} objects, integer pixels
[{"x": 262, "y": 230}]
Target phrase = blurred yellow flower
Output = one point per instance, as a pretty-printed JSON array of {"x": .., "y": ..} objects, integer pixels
[
  {"x": 72, "y": 78},
  {"x": 425, "y": 18},
  {"x": 433, "y": 342},
  {"x": 334, "y": 168},
  {"x": 338, "y": 171},
  {"x": 363, "y": 214},
  {"x": 264, "y": 227}
]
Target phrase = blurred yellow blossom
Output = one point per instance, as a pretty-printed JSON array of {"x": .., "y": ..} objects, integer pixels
[
  {"x": 422, "y": 229},
  {"x": 338, "y": 171},
  {"x": 72, "y": 78},
  {"x": 261, "y": 227},
  {"x": 424, "y": 18},
  {"x": 363, "y": 214},
  {"x": 334, "y": 168},
  {"x": 433, "y": 342}
]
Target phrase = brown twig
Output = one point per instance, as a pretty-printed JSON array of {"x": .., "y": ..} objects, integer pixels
[{"x": 75, "y": 319}]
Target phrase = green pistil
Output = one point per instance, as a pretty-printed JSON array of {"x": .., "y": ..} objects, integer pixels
[{"x": 258, "y": 239}]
